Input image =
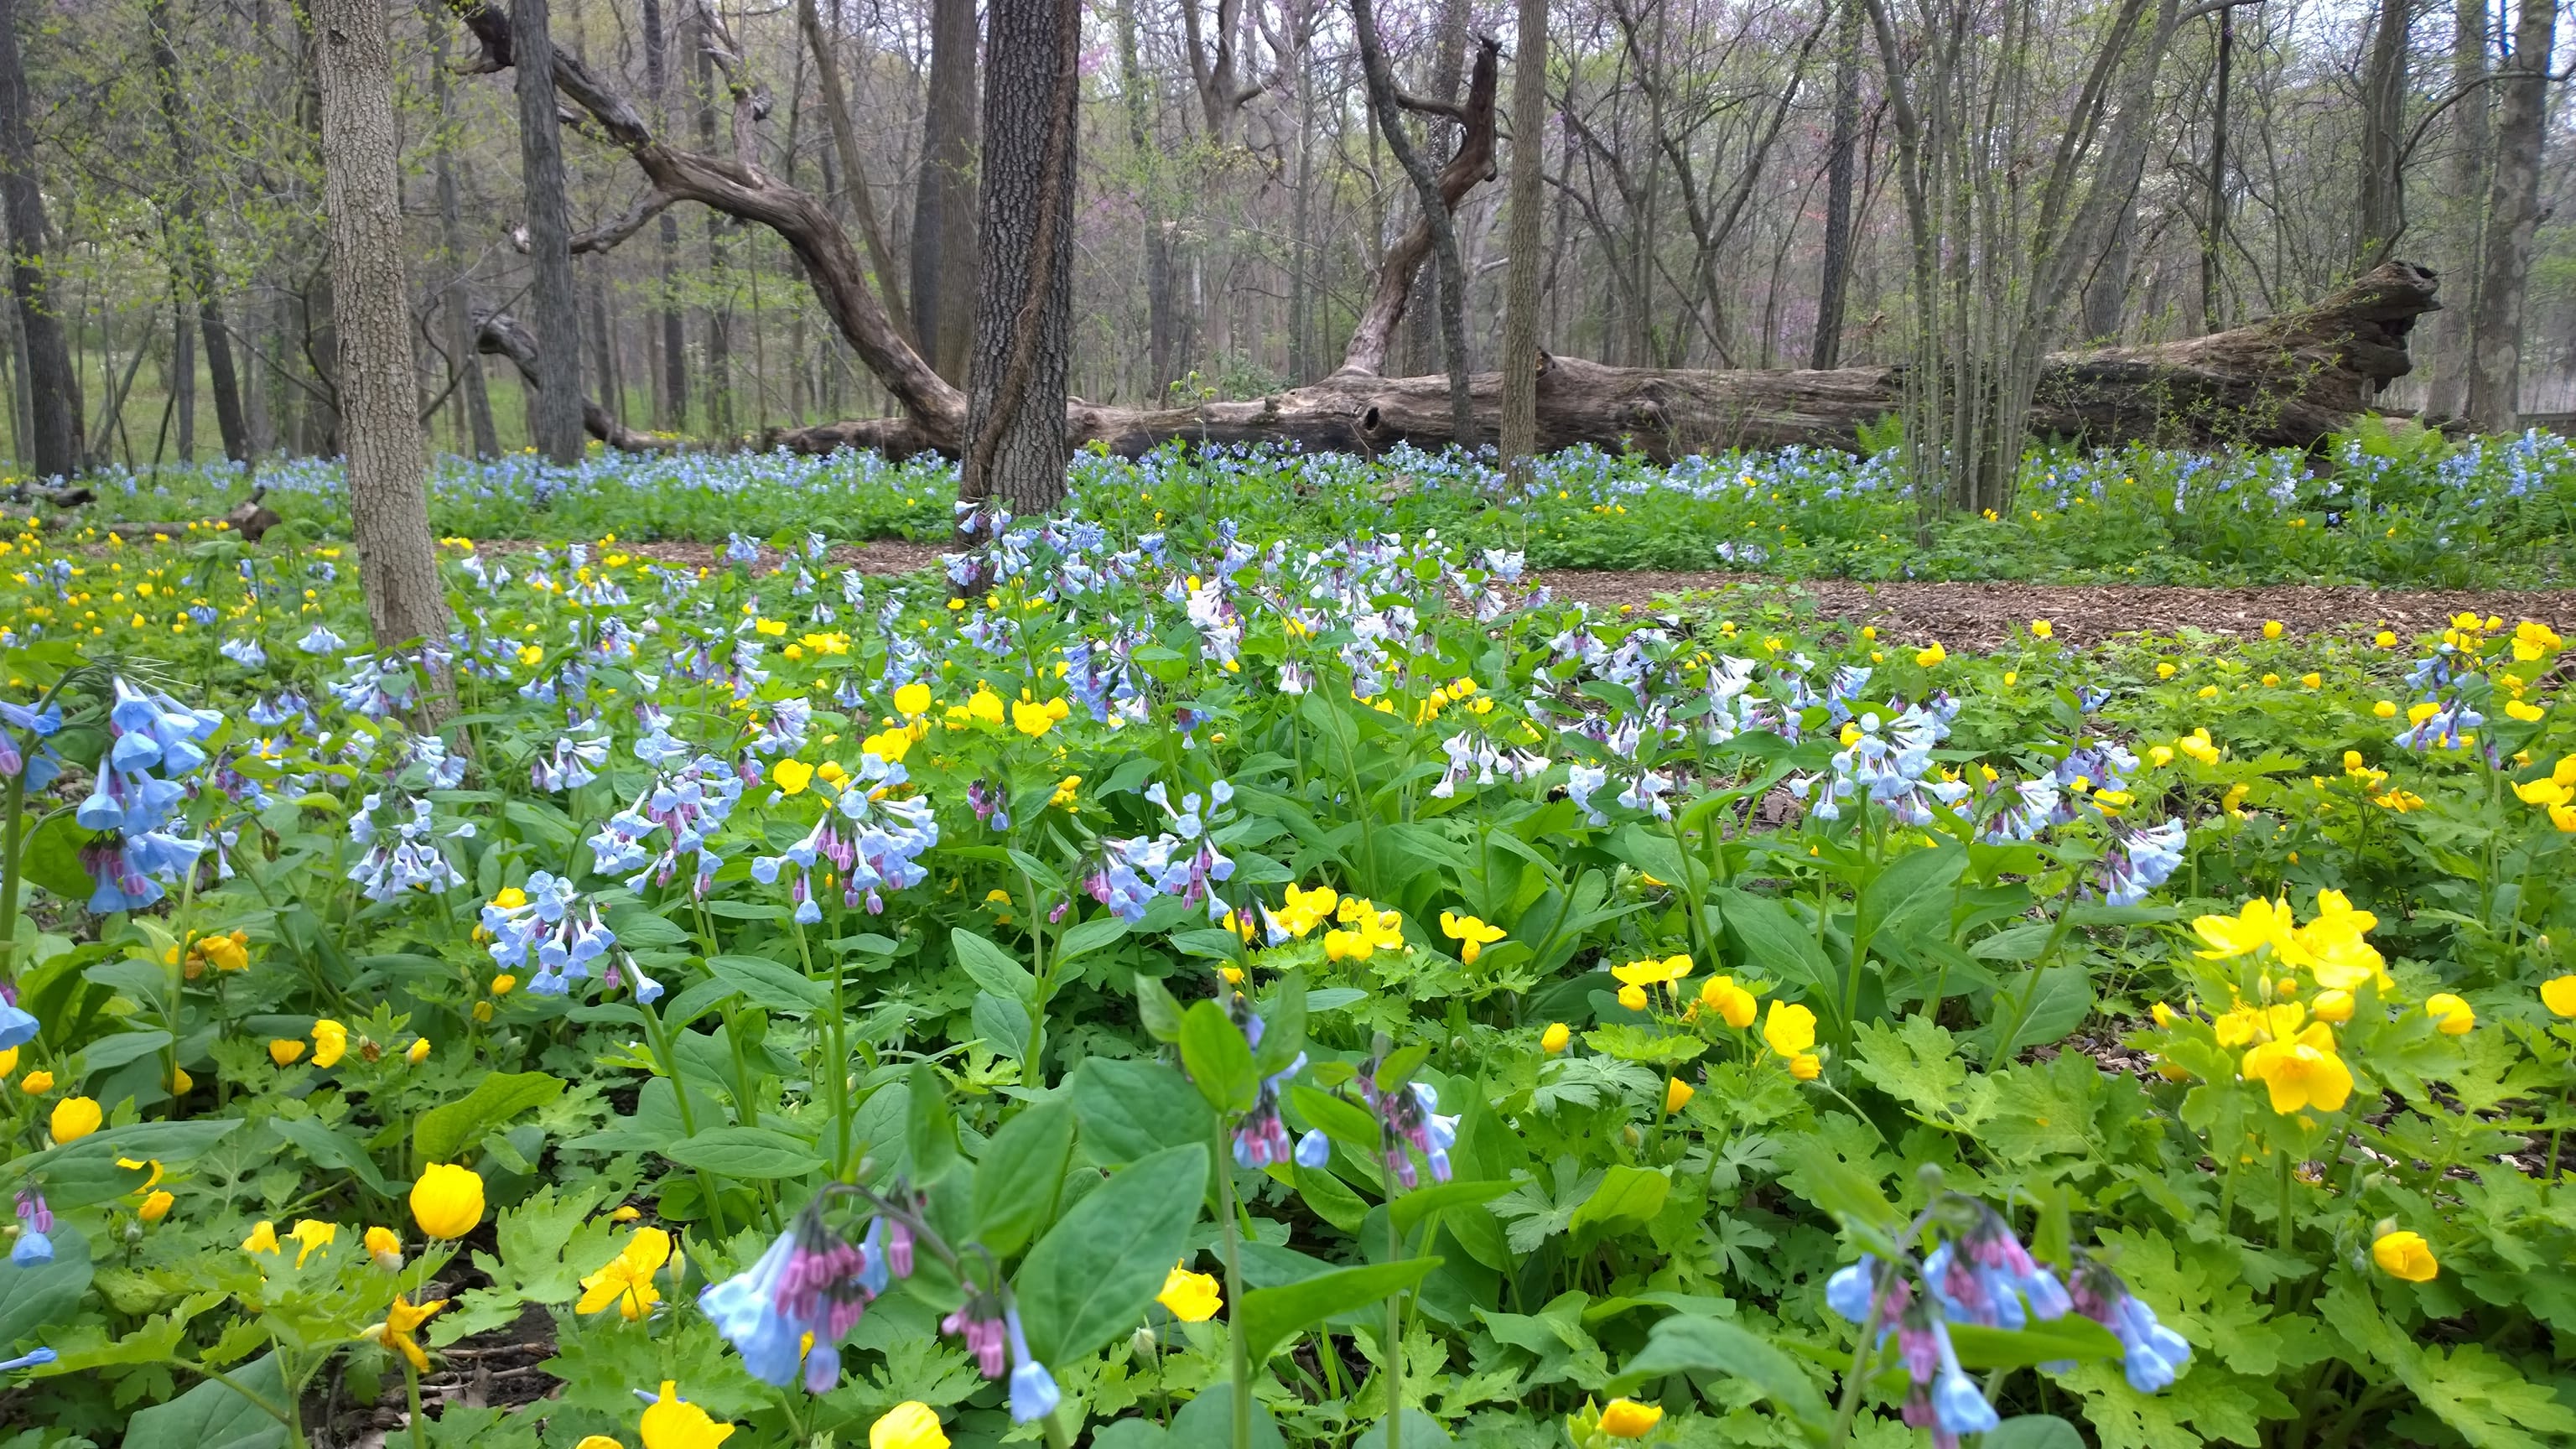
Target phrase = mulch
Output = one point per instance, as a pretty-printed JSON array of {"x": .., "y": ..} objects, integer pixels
[{"x": 1973, "y": 616}]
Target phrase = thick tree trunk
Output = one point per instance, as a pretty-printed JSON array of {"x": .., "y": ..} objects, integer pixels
[
  {"x": 2464, "y": 207},
  {"x": 719, "y": 362},
  {"x": 2513, "y": 216},
  {"x": 54, "y": 449},
  {"x": 1842, "y": 161},
  {"x": 379, "y": 397},
  {"x": 943, "y": 209},
  {"x": 1015, "y": 392},
  {"x": 1519, "y": 364},
  {"x": 554, "y": 418},
  {"x": 671, "y": 382},
  {"x": 2286, "y": 381},
  {"x": 2379, "y": 213},
  {"x": 1435, "y": 204}
]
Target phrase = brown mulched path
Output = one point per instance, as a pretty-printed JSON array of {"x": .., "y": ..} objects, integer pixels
[
  {"x": 1985, "y": 615},
  {"x": 1960, "y": 615}
]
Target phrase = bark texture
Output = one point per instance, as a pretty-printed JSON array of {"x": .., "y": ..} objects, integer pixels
[
  {"x": 1519, "y": 365},
  {"x": 53, "y": 443},
  {"x": 1015, "y": 392},
  {"x": 188, "y": 231},
  {"x": 943, "y": 206},
  {"x": 2513, "y": 216},
  {"x": 553, "y": 419},
  {"x": 379, "y": 399}
]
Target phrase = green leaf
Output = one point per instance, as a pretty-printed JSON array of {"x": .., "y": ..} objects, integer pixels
[
  {"x": 1913, "y": 893},
  {"x": 330, "y": 1148},
  {"x": 993, "y": 968},
  {"x": 1208, "y": 1419},
  {"x": 1085, "y": 937},
  {"x": 80, "y": 1173},
  {"x": 1852, "y": 1196},
  {"x": 1627, "y": 1197},
  {"x": 214, "y": 1416},
  {"x": 1412, "y": 1207},
  {"x": 51, "y": 857},
  {"x": 2032, "y": 1431},
  {"x": 1022, "y": 1172},
  {"x": 443, "y": 1131},
  {"x": 2036, "y": 1008},
  {"x": 1089, "y": 1279},
  {"x": 767, "y": 983},
  {"x": 46, "y": 1295},
  {"x": 745, "y": 1152},
  {"x": 1690, "y": 1343},
  {"x": 1918, "y": 1064},
  {"x": 1341, "y": 1119},
  {"x": 1218, "y": 1058},
  {"x": 1002, "y": 1022},
  {"x": 110, "y": 1052},
  {"x": 1398, "y": 1068},
  {"x": 929, "y": 1129},
  {"x": 1421, "y": 1431},
  {"x": 1283, "y": 1030},
  {"x": 1786, "y": 951},
  {"x": 1129, "y": 1109},
  {"x": 1270, "y": 1315},
  {"x": 1628, "y": 1042},
  {"x": 1156, "y": 1008},
  {"x": 2072, "y": 1337}
]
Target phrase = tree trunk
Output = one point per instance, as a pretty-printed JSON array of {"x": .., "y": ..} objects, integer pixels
[
  {"x": 456, "y": 298},
  {"x": 1161, "y": 331},
  {"x": 188, "y": 230},
  {"x": 1833, "y": 288},
  {"x": 54, "y": 448},
  {"x": 1422, "y": 346},
  {"x": 2379, "y": 217},
  {"x": 554, "y": 415},
  {"x": 845, "y": 144},
  {"x": 379, "y": 397},
  {"x": 2513, "y": 215},
  {"x": 1016, "y": 384},
  {"x": 2464, "y": 203},
  {"x": 2213, "y": 231},
  {"x": 183, "y": 374},
  {"x": 672, "y": 380},
  {"x": 500, "y": 334},
  {"x": 944, "y": 267},
  {"x": 1433, "y": 199},
  {"x": 719, "y": 368},
  {"x": 1520, "y": 358}
]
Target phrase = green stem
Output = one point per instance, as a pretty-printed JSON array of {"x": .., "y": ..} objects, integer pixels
[
  {"x": 12, "y": 810},
  {"x": 1394, "y": 1368},
  {"x": 688, "y": 1119},
  {"x": 1238, "y": 1349},
  {"x": 2288, "y": 1228},
  {"x": 411, "y": 1397}
]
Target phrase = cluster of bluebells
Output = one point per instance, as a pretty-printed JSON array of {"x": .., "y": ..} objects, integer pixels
[
  {"x": 1410, "y": 1121},
  {"x": 1182, "y": 861},
  {"x": 35, "y": 1243},
  {"x": 875, "y": 844},
  {"x": 2443, "y": 720},
  {"x": 1981, "y": 1274},
  {"x": 551, "y": 921},
  {"x": 401, "y": 858},
  {"x": 154, "y": 744},
  {"x": 1261, "y": 1139},
  {"x": 1890, "y": 764},
  {"x": 990, "y": 1326},
  {"x": 24, "y": 728},
  {"x": 788, "y": 1312},
  {"x": 690, "y": 803}
]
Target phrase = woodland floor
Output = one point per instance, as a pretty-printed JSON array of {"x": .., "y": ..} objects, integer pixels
[{"x": 1960, "y": 615}]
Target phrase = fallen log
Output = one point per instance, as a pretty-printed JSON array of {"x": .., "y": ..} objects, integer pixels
[
  {"x": 249, "y": 518},
  {"x": 499, "y": 333},
  {"x": 2284, "y": 381}
]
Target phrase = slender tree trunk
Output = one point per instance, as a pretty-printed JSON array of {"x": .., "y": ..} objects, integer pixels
[
  {"x": 2213, "y": 233},
  {"x": 1833, "y": 288},
  {"x": 1016, "y": 447},
  {"x": 1301, "y": 281},
  {"x": 672, "y": 380},
  {"x": 1160, "y": 324},
  {"x": 188, "y": 231},
  {"x": 2464, "y": 204},
  {"x": 944, "y": 230},
  {"x": 1520, "y": 352},
  {"x": 719, "y": 368},
  {"x": 456, "y": 298},
  {"x": 2380, "y": 210},
  {"x": 2513, "y": 216},
  {"x": 379, "y": 396},
  {"x": 554, "y": 414},
  {"x": 1448, "y": 62},
  {"x": 183, "y": 372},
  {"x": 612, "y": 395},
  {"x": 54, "y": 446},
  {"x": 1435, "y": 214},
  {"x": 854, "y": 170}
]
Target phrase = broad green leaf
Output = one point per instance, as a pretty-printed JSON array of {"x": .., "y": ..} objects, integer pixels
[
  {"x": 1003, "y": 1024},
  {"x": 2032, "y": 1431},
  {"x": 83, "y": 1172},
  {"x": 1208, "y": 1420},
  {"x": 113, "y": 1051},
  {"x": 1341, "y": 1119},
  {"x": 1787, "y": 952},
  {"x": 1085, "y": 937},
  {"x": 1218, "y": 1058},
  {"x": 46, "y": 1295},
  {"x": 767, "y": 983},
  {"x": 1283, "y": 1029},
  {"x": 1421, "y": 1431},
  {"x": 1852, "y": 1196},
  {"x": 2073, "y": 1337},
  {"x": 1270, "y": 1315},
  {"x": 1089, "y": 1279},
  {"x": 759, "y": 1152},
  {"x": 1691, "y": 1343},
  {"x": 930, "y": 1130},
  {"x": 1913, "y": 893},
  {"x": 1412, "y": 1207},
  {"x": 214, "y": 1416},
  {"x": 1129, "y": 1109},
  {"x": 993, "y": 968},
  {"x": 1021, "y": 1173},
  {"x": 2036, "y": 1008},
  {"x": 1627, "y": 1197},
  {"x": 447, "y": 1129},
  {"x": 1156, "y": 1008},
  {"x": 328, "y": 1147}
]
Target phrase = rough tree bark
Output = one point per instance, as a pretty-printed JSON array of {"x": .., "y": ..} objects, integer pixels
[
  {"x": 379, "y": 398},
  {"x": 2379, "y": 212},
  {"x": 943, "y": 206},
  {"x": 554, "y": 420},
  {"x": 2513, "y": 215},
  {"x": 1015, "y": 383},
  {"x": 1520, "y": 355},
  {"x": 188, "y": 229},
  {"x": 1161, "y": 330},
  {"x": 54, "y": 449},
  {"x": 1842, "y": 151},
  {"x": 673, "y": 378}
]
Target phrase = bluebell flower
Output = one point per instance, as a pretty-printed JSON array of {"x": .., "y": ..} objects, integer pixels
[
  {"x": 320, "y": 640},
  {"x": 1033, "y": 1391},
  {"x": 810, "y": 1281},
  {"x": 31, "y": 1249},
  {"x": 1852, "y": 1289},
  {"x": 32, "y": 1358},
  {"x": 1314, "y": 1149}
]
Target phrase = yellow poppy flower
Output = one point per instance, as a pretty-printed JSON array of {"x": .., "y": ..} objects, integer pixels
[
  {"x": 2405, "y": 1255},
  {"x": 627, "y": 1279},
  {"x": 911, "y": 1425},
  {"x": 2301, "y": 1071},
  {"x": 73, "y": 1119},
  {"x": 1192, "y": 1297},
  {"x": 1789, "y": 1029},
  {"x": 671, "y": 1422},
  {"x": 1471, "y": 934},
  {"x": 1554, "y": 1039}
]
